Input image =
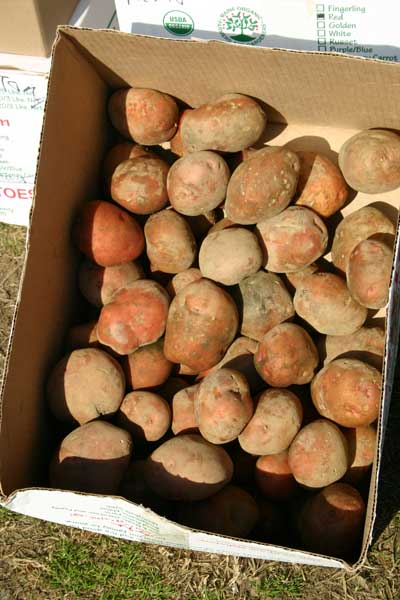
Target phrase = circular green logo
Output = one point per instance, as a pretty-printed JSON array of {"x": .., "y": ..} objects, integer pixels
[
  {"x": 178, "y": 22},
  {"x": 241, "y": 25}
]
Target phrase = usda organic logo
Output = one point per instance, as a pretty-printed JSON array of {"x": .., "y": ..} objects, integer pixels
[
  {"x": 178, "y": 22},
  {"x": 242, "y": 25}
]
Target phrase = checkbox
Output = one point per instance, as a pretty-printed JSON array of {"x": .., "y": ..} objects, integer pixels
[
  {"x": 321, "y": 34},
  {"x": 320, "y": 7},
  {"x": 322, "y": 47},
  {"x": 321, "y": 24}
]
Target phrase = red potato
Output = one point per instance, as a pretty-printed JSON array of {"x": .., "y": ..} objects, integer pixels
[
  {"x": 274, "y": 477},
  {"x": 183, "y": 416},
  {"x": 82, "y": 336},
  {"x": 136, "y": 317},
  {"x": 100, "y": 284},
  {"x": 176, "y": 141},
  {"x": 296, "y": 278},
  {"x": 107, "y": 235},
  {"x": 286, "y": 355},
  {"x": 172, "y": 386},
  {"x": 362, "y": 445},
  {"x": 262, "y": 186},
  {"x": 170, "y": 244},
  {"x": 223, "y": 406},
  {"x": 202, "y": 322},
  {"x": 134, "y": 488},
  {"x": 84, "y": 385},
  {"x": 370, "y": 161},
  {"x": 293, "y": 240},
  {"x": 197, "y": 183},
  {"x": 188, "y": 468},
  {"x": 276, "y": 421},
  {"x": 321, "y": 185},
  {"x": 116, "y": 155},
  {"x": 366, "y": 344},
  {"x": 234, "y": 160},
  {"x": 319, "y": 454},
  {"x": 324, "y": 302},
  {"x": 229, "y": 255},
  {"x": 147, "y": 416},
  {"x": 230, "y": 123},
  {"x": 92, "y": 458},
  {"x": 182, "y": 279},
  {"x": 147, "y": 367},
  {"x": 356, "y": 227},
  {"x": 140, "y": 184},
  {"x": 347, "y": 391},
  {"x": 223, "y": 223},
  {"x": 331, "y": 521},
  {"x": 368, "y": 273},
  {"x": 265, "y": 302},
  {"x": 147, "y": 116}
]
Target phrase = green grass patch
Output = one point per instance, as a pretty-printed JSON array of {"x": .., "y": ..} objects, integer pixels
[
  {"x": 276, "y": 586},
  {"x": 6, "y": 516}
]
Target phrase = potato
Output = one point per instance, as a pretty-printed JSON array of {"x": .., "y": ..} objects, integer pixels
[
  {"x": 99, "y": 284},
  {"x": 92, "y": 459},
  {"x": 84, "y": 385},
  {"x": 370, "y": 161},
  {"x": 223, "y": 406},
  {"x": 230, "y": 123},
  {"x": 146, "y": 415},
  {"x": 202, "y": 322},
  {"x": 147, "y": 367},
  {"x": 188, "y": 468},
  {"x": 202, "y": 224},
  {"x": 134, "y": 488},
  {"x": 293, "y": 239},
  {"x": 229, "y": 255},
  {"x": 82, "y": 336},
  {"x": 170, "y": 243},
  {"x": 347, "y": 391},
  {"x": 243, "y": 465},
  {"x": 231, "y": 511},
  {"x": 324, "y": 302},
  {"x": 176, "y": 145},
  {"x": 265, "y": 302},
  {"x": 321, "y": 185},
  {"x": 368, "y": 273},
  {"x": 274, "y": 477},
  {"x": 296, "y": 278},
  {"x": 362, "y": 445},
  {"x": 147, "y": 116},
  {"x": 116, "y": 155},
  {"x": 275, "y": 423},
  {"x": 107, "y": 235},
  {"x": 332, "y": 520},
  {"x": 319, "y": 454},
  {"x": 234, "y": 160},
  {"x": 140, "y": 184},
  {"x": 366, "y": 344},
  {"x": 172, "y": 386},
  {"x": 182, "y": 279},
  {"x": 356, "y": 227},
  {"x": 223, "y": 223},
  {"x": 136, "y": 317},
  {"x": 262, "y": 186},
  {"x": 197, "y": 182},
  {"x": 286, "y": 355},
  {"x": 183, "y": 417}
]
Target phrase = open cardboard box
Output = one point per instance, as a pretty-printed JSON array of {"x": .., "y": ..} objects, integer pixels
[{"x": 316, "y": 100}]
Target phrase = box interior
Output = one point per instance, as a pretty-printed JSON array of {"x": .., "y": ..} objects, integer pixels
[{"x": 315, "y": 102}]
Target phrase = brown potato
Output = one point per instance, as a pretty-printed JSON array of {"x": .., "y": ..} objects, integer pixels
[
  {"x": 100, "y": 284},
  {"x": 356, "y": 227},
  {"x": 230, "y": 123},
  {"x": 147, "y": 116},
  {"x": 116, "y": 155},
  {"x": 319, "y": 454},
  {"x": 223, "y": 406},
  {"x": 84, "y": 385},
  {"x": 82, "y": 336},
  {"x": 229, "y": 255},
  {"x": 197, "y": 183},
  {"x": 274, "y": 477},
  {"x": 264, "y": 302},
  {"x": 286, "y": 355},
  {"x": 188, "y": 468},
  {"x": 176, "y": 144},
  {"x": 147, "y": 367},
  {"x": 202, "y": 322},
  {"x": 366, "y": 344},
  {"x": 136, "y": 317},
  {"x": 170, "y": 243},
  {"x": 370, "y": 161},
  {"x": 92, "y": 459},
  {"x": 107, "y": 235},
  {"x": 368, "y": 273},
  {"x": 324, "y": 302},
  {"x": 134, "y": 488},
  {"x": 331, "y": 521},
  {"x": 296, "y": 278},
  {"x": 275, "y": 423},
  {"x": 293, "y": 239},
  {"x": 182, "y": 279},
  {"x": 183, "y": 416},
  {"x": 146, "y": 415},
  {"x": 262, "y": 186},
  {"x": 362, "y": 445},
  {"x": 321, "y": 185},
  {"x": 347, "y": 391}
]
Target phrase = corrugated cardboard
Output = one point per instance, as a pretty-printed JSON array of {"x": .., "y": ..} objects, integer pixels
[{"x": 314, "y": 101}]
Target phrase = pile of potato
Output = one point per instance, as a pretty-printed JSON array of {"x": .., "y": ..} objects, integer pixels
[{"x": 227, "y": 379}]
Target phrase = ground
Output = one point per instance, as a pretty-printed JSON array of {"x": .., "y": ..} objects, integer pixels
[{"x": 41, "y": 560}]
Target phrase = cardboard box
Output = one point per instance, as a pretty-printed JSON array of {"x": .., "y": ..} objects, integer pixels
[
  {"x": 316, "y": 101},
  {"x": 29, "y": 26}
]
